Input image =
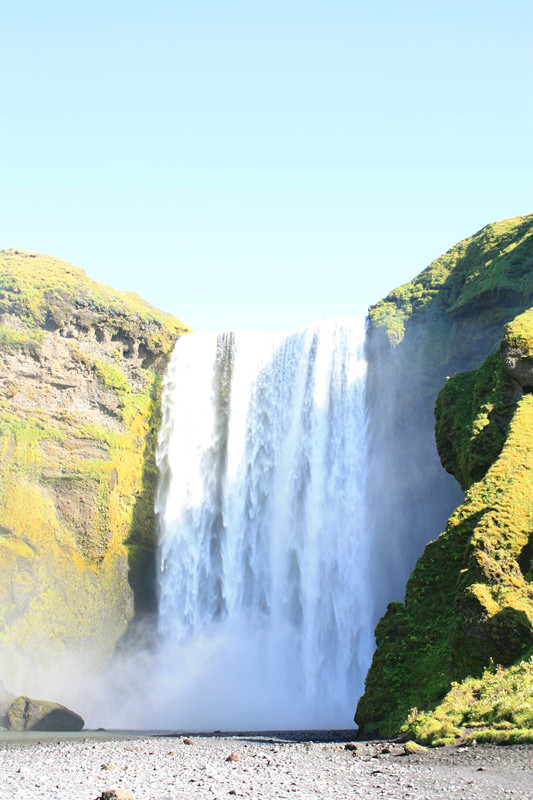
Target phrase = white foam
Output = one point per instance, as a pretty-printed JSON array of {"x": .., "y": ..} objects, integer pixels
[{"x": 264, "y": 600}]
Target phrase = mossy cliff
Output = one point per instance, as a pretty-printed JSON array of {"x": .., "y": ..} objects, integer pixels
[
  {"x": 455, "y": 654},
  {"x": 80, "y": 371}
]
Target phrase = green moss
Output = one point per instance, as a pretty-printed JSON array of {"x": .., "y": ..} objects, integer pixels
[
  {"x": 41, "y": 290},
  {"x": 14, "y": 338},
  {"x": 450, "y": 317},
  {"x": 111, "y": 376},
  {"x": 77, "y": 527},
  {"x": 434, "y": 730},
  {"x": 72, "y": 554},
  {"x": 519, "y": 333},
  {"x": 412, "y": 748},
  {"x": 98, "y": 434},
  {"x": 472, "y": 413},
  {"x": 411, "y": 666},
  {"x": 469, "y": 599},
  {"x": 494, "y": 736},
  {"x": 488, "y": 274},
  {"x": 495, "y": 707}
]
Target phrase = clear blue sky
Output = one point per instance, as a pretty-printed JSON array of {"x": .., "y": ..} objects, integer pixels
[{"x": 261, "y": 163}]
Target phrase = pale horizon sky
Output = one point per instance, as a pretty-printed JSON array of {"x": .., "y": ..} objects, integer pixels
[{"x": 261, "y": 163}]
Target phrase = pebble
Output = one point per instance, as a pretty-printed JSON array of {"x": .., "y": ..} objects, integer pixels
[{"x": 270, "y": 766}]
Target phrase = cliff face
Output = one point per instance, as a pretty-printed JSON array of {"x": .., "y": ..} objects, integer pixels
[
  {"x": 469, "y": 598},
  {"x": 80, "y": 369},
  {"x": 447, "y": 319}
]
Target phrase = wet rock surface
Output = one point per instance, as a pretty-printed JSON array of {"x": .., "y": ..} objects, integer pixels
[{"x": 271, "y": 765}]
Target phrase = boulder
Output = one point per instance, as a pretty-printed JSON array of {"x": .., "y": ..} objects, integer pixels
[
  {"x": 25, "y": 714},
  {"x": 410, "y": 748}
]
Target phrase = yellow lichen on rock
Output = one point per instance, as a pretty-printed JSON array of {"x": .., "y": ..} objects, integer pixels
[{"x": 80, "y": 369}]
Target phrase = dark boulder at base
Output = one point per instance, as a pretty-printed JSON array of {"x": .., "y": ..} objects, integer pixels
[{"x": 25, "y": 714}]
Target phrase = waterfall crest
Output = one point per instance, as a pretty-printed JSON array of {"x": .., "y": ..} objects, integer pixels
[{"x": 264, "y": 603}]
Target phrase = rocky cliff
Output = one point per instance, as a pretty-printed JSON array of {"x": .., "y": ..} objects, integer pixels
[
  {"x": 459, "y": 644},
  {"x": 80, "y": 371}
]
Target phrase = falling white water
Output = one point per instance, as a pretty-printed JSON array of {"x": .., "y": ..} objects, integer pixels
[{"x": 264, "y": 608}]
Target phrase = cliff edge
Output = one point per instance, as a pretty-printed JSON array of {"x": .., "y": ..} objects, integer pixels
[
  {"x": 453, "y": 661},
  {"x": 80, "y": 372}
]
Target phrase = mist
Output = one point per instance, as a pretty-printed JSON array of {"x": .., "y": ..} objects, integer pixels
[{"x": 298, "y": 487}]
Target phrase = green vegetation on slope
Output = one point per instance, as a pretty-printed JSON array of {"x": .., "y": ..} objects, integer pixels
[
  {"x": 488, "y": 276},
  {"x": 80, "y": 384},
  {"x": 519, "y": 334},
  {"x": 447, "y": 320},
  {"x": 45, "y": 293},
  {"x": 469, "y": 602},
  {"x": 495, "y": 707},
  {"x": 473, "y": 412}
]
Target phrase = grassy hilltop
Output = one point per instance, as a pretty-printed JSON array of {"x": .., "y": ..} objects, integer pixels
[
  {"x": 455, "y": 659},
  {"x": 80, "y": 373}
]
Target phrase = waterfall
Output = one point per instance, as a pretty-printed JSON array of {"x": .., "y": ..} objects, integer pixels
[{"x": 264, "y": 602}]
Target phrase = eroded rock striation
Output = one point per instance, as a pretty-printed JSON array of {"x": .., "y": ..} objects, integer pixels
[
  {"x": 80, "y": 371},
  {"x": 463, "y": 637}
]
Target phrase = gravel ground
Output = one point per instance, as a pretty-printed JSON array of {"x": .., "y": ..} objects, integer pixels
[{"x": 279, "y": 765}]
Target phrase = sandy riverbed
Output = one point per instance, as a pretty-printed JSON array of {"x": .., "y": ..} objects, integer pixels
[{"x": 270, "y": 765}]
